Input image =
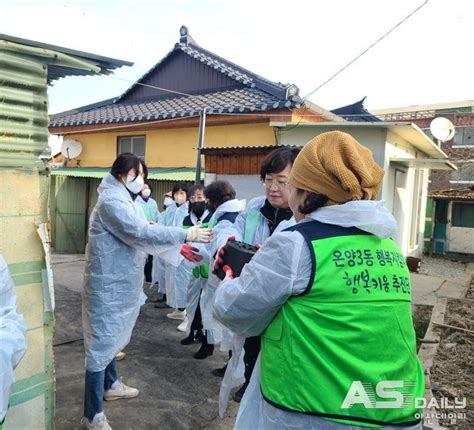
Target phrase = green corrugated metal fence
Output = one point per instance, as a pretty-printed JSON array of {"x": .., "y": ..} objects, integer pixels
[{"x": 73, "y": 199}]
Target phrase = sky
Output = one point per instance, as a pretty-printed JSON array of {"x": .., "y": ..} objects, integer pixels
[{"x": 428, "y": 59}]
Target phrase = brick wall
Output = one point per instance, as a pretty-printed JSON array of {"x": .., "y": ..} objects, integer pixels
[{"x": 462, "y": 157}]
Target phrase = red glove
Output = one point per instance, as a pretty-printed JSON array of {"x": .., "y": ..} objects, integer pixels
[
  {"x": 190, "y": 253},
  {"x": 229, "y": 273},
  {"x": 220, "y": 255}
]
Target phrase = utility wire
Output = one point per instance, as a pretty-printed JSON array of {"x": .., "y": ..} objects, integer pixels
[
  {"x": 150, "y": 86},
  {"x": 365, "y": 50}
]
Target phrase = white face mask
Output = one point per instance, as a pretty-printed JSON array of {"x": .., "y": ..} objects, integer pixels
[
  {"x": 180, "y": 200},
  {"x": 146, "y": 193},
  {"x": 135, "y": 185}
]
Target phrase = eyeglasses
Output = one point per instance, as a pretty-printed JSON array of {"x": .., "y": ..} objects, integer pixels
[{"x": 268, "y": 183}]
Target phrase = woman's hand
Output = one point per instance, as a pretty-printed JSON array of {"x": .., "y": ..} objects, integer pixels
[
  {"x": 229, "y": 273},
  {"x": 198, "y": 234},
  {"x": 190, "y": 253},
  {"x": 220, "y": 254}
]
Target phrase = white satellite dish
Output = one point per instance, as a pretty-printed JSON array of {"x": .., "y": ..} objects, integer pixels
[
  {"x": 71, "y": 148},
  {"x": 442, "y": 129}
]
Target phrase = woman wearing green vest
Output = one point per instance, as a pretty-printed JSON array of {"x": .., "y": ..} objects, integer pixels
[
  {"x": 221, "y": 201},
  {"x": 164, "y": 273},
  {"x": 331, "y": 298},
  {"x": 263, "y": 216}
]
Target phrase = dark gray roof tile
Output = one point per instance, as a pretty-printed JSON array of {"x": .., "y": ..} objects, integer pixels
[{"x": 232, "y": 101}]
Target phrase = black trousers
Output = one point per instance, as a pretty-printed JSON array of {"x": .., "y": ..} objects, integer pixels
[
  {"x": 148, "y": 268},
  {"x": 251, "y": 351},
  {"x": 196, "y": 324}
]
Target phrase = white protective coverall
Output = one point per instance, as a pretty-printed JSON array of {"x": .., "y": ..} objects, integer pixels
[
  {"x": 119, "y": 239},
  {"x": 196, "y": 284},
  {"x": 216, "y": 333},
  {"x": 250, "y": 227},
  {"x": 169, "y": 218},
  {"x": 158, "y": 274},
  {"x": 282, "y": 268},
  {"x": 177, "y": 276},
  {"x": 12, "y": 336}
]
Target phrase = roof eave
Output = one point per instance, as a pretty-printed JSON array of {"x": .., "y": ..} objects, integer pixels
[{"x": 406, "y": 130}]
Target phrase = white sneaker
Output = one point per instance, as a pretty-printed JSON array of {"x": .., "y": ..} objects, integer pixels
[
  {"x": 122, "y": 391},
  {"x": 98, "y": 423},
  {"x": 177, "y": 315},
  {"x": 120, "y": 356},
  {"x": 183, "y": 326}
]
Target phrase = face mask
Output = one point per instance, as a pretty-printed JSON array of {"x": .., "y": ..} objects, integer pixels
[
  {"x": 197, "y": 208},
  {"x": 180, "y": 200},
  {"x": 135, "y": 185},
  {"x": 146, "y": 193}
]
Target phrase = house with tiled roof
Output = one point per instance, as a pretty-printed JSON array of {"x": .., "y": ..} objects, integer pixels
[
  {"x": 355, "y": 112},
  {"x": 157, "y": 118}
]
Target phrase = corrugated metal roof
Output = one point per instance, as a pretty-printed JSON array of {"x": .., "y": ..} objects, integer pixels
[
  {"x": 154, "y": 173},
  {"x": 23, "y": 111},
  {"x": 229, "y": 148},
  {"x": 57, "y": 67}
]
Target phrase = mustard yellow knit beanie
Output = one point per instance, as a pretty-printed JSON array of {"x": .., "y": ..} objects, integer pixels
[{"x": 336, "y": 165}]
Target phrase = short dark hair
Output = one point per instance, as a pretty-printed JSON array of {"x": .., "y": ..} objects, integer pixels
[
  {"x": 180, "y": 186},
  {"x": 312, "y": 202},
  {"x": 219, "y": 192},
  {"x": 277, "y": 160},
  {"x": 125, "y": 162},
  {"x": 195, "y": 188}
]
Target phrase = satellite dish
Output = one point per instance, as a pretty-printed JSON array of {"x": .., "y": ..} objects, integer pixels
[
  {"x": 442, "y": 129},
  {"x": 71, "y": 148}
]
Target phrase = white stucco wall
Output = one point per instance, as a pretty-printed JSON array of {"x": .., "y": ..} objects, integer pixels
[
  {"x": 402, "y": 197},
  {"x": 399, "y": 196}
]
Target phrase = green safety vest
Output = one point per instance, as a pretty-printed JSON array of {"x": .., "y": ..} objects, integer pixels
[
  {"x": 150, "y": 209},
  {"x": 203, "y": 270},
  {"x": 351, "y": 328},
  {"x": 251, "y": 222}
]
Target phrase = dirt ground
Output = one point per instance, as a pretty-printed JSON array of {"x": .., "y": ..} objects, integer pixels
[
  {"x": 452, "y": 374},
  {"x": 176, "y": 391}
]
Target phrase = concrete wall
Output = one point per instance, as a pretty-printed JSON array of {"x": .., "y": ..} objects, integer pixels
[
  {"x": 171, "y": 147},
  {"x": 398, "y": 188},
  {"x": 23, "y": 196},
  {"x": 458, "y": 239},
  {"x": 372, "y": 138},
  {"x": 405, "y": 192}
]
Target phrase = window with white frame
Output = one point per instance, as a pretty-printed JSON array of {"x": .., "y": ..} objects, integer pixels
[
  {"x": 133, "y": 144},
  {"x": 462, "y": 215}
]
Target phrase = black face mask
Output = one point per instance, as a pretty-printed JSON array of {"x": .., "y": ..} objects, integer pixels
[{"x": 197, "y": 208}]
